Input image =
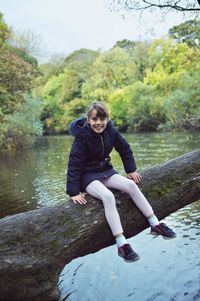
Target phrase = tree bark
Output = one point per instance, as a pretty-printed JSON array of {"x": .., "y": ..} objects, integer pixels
[{"x": 35, "y": 246}]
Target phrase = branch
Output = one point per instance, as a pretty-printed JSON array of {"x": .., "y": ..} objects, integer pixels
[
  {"x": 35, "y": 246},
  {"x": 170, "y": 6},
  {"x": 133, "y": 5}
]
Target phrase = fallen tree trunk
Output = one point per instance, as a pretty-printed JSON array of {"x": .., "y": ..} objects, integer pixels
[{"x": 35, "y": 246}]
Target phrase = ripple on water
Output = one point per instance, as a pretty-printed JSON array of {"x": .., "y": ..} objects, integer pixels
[{"x": 167, "y": 269}]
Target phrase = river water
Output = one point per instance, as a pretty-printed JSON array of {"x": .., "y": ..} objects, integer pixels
[{"x": 168, "y": 270}]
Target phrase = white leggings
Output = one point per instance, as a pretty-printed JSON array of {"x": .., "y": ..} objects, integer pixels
[{"x": 98, "y": 189}]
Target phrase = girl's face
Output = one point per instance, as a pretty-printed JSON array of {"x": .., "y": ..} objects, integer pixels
[{"x": 97, "y": 124}]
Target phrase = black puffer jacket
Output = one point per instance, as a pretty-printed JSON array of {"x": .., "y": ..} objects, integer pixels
[{"x": 89, "y": 157}]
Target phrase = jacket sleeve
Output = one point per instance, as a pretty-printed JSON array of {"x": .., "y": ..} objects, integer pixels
[
  {"x": 76, "y": 162},
  {"x": 125, "y": 152}
]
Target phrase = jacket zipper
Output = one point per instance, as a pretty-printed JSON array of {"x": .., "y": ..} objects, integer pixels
[
  {"x": 102, "y": 146},
  {"x": 102, "y": 150}
]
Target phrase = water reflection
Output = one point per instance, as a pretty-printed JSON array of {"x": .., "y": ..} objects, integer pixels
[
  {"x": 168, "y": 270},
  {"x": 36, "y": 177}
]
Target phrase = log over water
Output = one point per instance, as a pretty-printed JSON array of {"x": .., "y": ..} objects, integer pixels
[{"x": 35, "y": 246}]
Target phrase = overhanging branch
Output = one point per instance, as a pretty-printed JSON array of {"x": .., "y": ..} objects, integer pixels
[{"x": 142, "y": 5}]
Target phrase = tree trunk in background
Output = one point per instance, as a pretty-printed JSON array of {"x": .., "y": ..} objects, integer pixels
[{"x": 35, "y": 246}]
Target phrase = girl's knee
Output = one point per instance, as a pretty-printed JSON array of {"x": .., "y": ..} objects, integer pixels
[
  {"x": 133, "y": 185},
  {"x": 129, "y": 186},
  {"x": 108, "y": 196},
  {"x": 109, "y": 200}
]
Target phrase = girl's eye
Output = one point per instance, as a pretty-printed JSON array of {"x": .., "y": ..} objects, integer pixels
[{"x": 96, "y": 118}]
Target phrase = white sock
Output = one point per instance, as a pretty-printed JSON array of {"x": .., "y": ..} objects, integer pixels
[
  {"x": 153, "y": 221},
  {"x": 120, "y": 240}
]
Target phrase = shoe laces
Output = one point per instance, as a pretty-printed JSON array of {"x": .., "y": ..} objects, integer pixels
[
  {"x": 127, "y": 249},
  {"x": 165, "y": 227}
]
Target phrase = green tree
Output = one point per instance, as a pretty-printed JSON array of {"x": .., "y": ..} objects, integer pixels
[
  {"x": 16, "y": 78},
  {"x": 182, "y": 106},
  {"x": 77, "y": 72},
  {"x": 141, "y": 58},
  {"x": 23, "y": 54},
  {"x": 47, "y": 70},
  {"x": 138, "y": 51},
  {"x": 169, "y": 61},
  {"x": 65, "y": 87},
  {"x": 72, "y": 110},
  {"x": 82, "y": 55},
  {"x": 187, "y": 32},
  {"x": 4, "y": 31},
  {"x": 174, "y": 72},
  {"x": 22, "y": 128},
  {"x": 112, "y": 70},
  {"x": 118, "y": 107},
  {"x": 18, "y": 75},
  {"x": 53, "y": 67},
  {"x": 126, "y": 45},
  {"x": 145, "y": 107},
  {"x": 51, "y": 95}
]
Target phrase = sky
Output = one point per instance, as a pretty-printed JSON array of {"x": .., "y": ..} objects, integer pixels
[{"x": 68, "y": 25}]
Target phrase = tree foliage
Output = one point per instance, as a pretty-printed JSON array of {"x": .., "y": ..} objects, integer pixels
[
  {"x": 83, "y": 56},
  {"x": 4, "y": 30},
  {"x": 125, "y": 44},
  {"x": 169, "y": 61},
  {"x": 143, "y": 84},
  {"x": 182, "y": 106},
  {"x": 146, "y": 85},
  {"x": 187, "y": 32},
  {"x": 111, "y": 70},
  {"x": 145, "y": 107},
  {"x": 118, "y": 108},
  {"x": 138, "y": 51},
  {"x": 65, "y": 87},
  {"x": 23, "y": 127},
  {"x": 18, "y": 75}
]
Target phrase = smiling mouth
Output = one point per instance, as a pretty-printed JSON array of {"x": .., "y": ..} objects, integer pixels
[{"x": 98, "y": 128}]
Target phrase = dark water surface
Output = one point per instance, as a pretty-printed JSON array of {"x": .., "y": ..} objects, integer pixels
[{"x": 167, "y": 270}]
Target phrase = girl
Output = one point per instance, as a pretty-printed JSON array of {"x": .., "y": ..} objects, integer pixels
[{"x": 90, "y": 170}]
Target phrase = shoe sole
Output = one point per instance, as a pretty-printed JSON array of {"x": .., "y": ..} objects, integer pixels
[
  {"x": 156, "y": 234},
  {"x": 129, "y": 261}
]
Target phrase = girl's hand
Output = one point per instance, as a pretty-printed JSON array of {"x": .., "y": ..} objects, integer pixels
[
  {"x": 135, "y": 176},
  {"x": 79, "y": 199}
]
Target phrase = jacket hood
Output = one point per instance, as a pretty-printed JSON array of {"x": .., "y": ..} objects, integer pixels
[
  {"x": 80, "y": 127},
  {"x": 77, "y": 126}
]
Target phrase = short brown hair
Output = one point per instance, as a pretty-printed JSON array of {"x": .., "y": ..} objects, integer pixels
[{"x": 100, "y": 107}]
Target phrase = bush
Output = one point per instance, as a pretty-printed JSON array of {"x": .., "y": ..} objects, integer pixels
[
  {"x": 145, "y": 107},
  {"x": 22, "y": 128},
  {"x": 182, "y": 106}
]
